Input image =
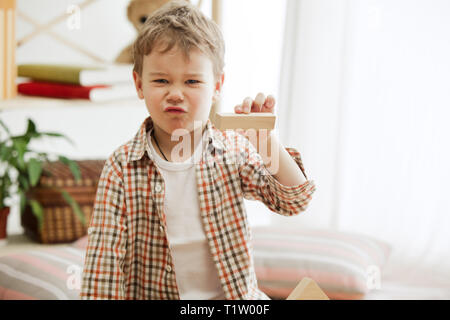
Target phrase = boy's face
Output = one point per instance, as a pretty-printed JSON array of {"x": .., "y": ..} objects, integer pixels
[{"x": 177, "y": 90}]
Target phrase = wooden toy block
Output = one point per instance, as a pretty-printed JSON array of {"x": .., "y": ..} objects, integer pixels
[
  {"x": 307, "y": 289},
  {"x": 253, "y": 120}
]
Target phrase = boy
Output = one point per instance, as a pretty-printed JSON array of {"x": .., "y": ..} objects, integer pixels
[{"x": 171, "y": 226}]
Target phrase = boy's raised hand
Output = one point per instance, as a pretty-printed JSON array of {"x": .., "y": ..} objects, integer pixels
[{"x": 260, "y": 104}]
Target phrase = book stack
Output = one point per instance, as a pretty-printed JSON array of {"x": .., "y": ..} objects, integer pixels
[{"x": 94, "y": 83}]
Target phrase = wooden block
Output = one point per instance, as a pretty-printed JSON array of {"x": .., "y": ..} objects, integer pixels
[
  {"x": 307, "y": 289},
  {"x": 253, "y": 120}
]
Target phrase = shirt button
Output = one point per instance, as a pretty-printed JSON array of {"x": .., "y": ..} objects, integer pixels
[
  {"x": 90, "y": 230},
  {"x": 158, "y": 188},
  {"x": 161, "y": 228},
  {"x": 169, "y": 269}
]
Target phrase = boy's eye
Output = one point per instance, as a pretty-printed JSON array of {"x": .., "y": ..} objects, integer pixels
[
  {"x": 160, "y": 81},
  {"x": 192, "y": 81}
]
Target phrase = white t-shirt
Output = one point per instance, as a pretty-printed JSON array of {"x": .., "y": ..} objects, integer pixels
[{"x": 196, "y": 274}]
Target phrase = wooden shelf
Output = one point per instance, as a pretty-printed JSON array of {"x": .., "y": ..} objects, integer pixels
[{"x": 29, "y": 102}]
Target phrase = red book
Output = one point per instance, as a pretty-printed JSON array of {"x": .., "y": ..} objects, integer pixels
[{"x": 73, "y": 91}]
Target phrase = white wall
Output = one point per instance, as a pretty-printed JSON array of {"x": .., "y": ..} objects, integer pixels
[
  {"x": 310, "y": 96},
  {"x": 253, "y": 31},
  {"x": 104, "y": 30}
]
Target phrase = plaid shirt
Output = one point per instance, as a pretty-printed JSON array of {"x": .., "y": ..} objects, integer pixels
[{"x": 128, "y": 254}]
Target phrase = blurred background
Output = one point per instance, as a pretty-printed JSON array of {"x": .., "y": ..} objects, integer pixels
[{"x": 362, "y": 89}]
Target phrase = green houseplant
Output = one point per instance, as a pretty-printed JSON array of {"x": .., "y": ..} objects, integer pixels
[{"x": 22, "y": 167}]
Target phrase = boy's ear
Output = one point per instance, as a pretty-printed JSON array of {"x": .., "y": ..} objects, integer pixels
[
  {"x": 138, "y": 84},
  {"x": 218, "y": 88}
]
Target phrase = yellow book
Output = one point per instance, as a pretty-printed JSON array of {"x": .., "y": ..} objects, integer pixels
[{"x": 78, "y": 74}]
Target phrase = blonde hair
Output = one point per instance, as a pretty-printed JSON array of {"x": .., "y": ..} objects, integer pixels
[{"x": 178, "y": 23}]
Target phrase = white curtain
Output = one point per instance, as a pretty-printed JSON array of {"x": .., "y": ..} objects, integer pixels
[
  {"x": 365, "y": 97},
  {"x": 253, "y": 32}
]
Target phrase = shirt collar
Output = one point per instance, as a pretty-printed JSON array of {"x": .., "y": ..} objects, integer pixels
[{"x": 137, "y": 149}]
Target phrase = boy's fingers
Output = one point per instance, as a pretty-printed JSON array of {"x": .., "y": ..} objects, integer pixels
[
  {"x": 246, "y": 105},
  {"x": 269, "y": 104},
  {"x": 258, "y": 103}
]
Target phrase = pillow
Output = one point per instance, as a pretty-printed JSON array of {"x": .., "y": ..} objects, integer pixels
[
  {"x": 43, "y": 274},
  {"x": 81, "y": 243},
  {"x": 340, "y": 262}
]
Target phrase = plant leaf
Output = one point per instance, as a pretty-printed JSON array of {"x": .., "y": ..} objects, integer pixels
[
  {"x": 5, "y": 152},
  {"x": 20, "y": 145},
  {"x": 22, "y": 201},
  {"x": 5, "y": 184},
  {"x": 74, "y": 205},
  {"x": 31, "y": 129},
  {"x": 34, "y": 171},
  {"x": 5, "y": 127},
  {"x": 24, "y": 183},
  {"x": 38, "y": 211},
  {"x": 73, "y": 166},
  {"x": 58, "y": 135}
]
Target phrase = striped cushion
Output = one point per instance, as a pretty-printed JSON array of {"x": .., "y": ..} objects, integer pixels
[
  {"x": 46, "y": 274},
  {"x": 339, "y": 262},
  {"x": 81, "y": 243}
]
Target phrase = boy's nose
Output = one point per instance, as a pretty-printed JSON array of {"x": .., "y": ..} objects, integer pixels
[{"x": 175, "y": 95}]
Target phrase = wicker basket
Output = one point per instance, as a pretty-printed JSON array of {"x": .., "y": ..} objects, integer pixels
[{"x": 60, "y": 224}]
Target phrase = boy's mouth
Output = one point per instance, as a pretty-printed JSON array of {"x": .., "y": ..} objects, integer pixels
[{"x": 175, "y": 110}]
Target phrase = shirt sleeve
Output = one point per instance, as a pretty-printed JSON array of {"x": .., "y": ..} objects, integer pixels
[
  {"x": 258, "y": 184},
  {"x": 103, "y": 274}
]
